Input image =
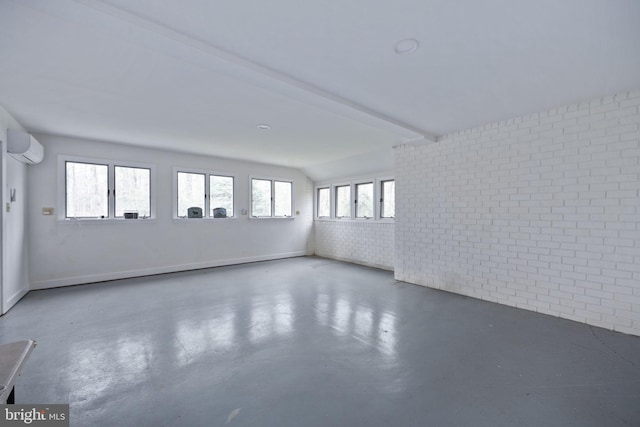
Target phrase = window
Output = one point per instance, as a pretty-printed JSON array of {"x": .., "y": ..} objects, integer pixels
[
  {"x": 221, "y": 196},
  {"x": 260, "y": 197},
  {"x": 132, "y": 191},
  {"x": 324, "y": 203},
  {"x": 202, "y": 194},
  {"x": 343, "y": 201},
  {"x": 356, "y": 200},
  {"x": 388, "y": 199},
  {"x": 282, "y": 198},
  {"x": 98, "y": 189},
  {"x": 191, "y": 192},
  {"x": 364, "y": 200},
  {"x": 86, "y": 190},
  {"x": 271, "y": 198}
]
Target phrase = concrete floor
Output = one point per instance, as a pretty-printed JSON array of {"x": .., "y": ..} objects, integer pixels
[{"x": 313, "y": 342}]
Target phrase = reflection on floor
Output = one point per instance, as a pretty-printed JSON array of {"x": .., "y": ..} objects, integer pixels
[{"x": 314, "y": 342}]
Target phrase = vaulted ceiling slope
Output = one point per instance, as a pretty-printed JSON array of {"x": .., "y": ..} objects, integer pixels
[{"x": 200, "y": 75}]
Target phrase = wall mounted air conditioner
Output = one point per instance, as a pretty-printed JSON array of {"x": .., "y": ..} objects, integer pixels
[{"x": 24, "y": 147}]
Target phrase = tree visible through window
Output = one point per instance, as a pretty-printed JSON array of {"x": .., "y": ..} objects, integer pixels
[
  {"x": 357, "y": 200},
  {"x": 133, "y": 191},
  {"x": 388, "y": 199},
  {"x": 364, "y": 200},
  {"x": 271, "y": 198},
  {"x": 324, "y": 202},
  {"x": 87, "y": 190},
  {"x": 343, "y": 201},
  {"x": 221, "y": 194},
  {"x": 211, "y": 192},
  {"x": 191, "y": 192},
  {"x": 260, "y": 197},
  {"x": 97, "y": 190},
  {"x": 282, "y": 198}
]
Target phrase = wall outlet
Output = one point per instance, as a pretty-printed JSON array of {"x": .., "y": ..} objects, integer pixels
[
  {"x": 47, "y": 211},
  {"x": 8, "y": 207}
]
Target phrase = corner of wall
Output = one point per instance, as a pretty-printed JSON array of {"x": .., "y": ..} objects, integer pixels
[{"x": 14, "y": 280}]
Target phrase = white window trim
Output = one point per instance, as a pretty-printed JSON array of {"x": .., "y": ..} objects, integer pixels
[
  {"x": 111, "y": 164},
  {"x": 334, "y": 208},
  {"x": 207, "y": 201},
  {"x": 273, "y": 180},
  {"x": 378, "y": 184},
  {"x": 315, "y": 202},
  {"x": 377, "y": 195},
  {"x": 235, "y": 194},
  {"x": 354, "y": 204}
]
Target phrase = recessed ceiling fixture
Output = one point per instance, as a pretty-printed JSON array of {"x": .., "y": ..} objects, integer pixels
[
  {"x": 264, "y": 126},
  {"x": 406, "y": 46}
]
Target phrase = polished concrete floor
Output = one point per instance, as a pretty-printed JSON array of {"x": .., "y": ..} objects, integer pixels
[{"x": 314, "y": 342}]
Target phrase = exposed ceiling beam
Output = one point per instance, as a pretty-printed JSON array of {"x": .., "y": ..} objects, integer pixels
[{"x": 269, "y": 78}]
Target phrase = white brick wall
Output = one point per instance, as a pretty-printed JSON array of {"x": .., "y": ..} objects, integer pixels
[
  {"x": 363, "y": 242},
  {"x": 540, "y": 212}
]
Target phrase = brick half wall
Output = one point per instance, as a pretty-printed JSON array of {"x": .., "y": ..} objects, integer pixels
[{"x": 362, "y": 242}]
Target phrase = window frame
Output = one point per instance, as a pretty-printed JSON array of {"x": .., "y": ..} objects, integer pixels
[
  {"x": 353, "y": 186},
  {"x": 206, "y": 212},
  {"x": 317, "y": 202},
  {"x": 233, "y": 194},
  {"x": 176, "y": 195},
  {"x": 103, "y": 198},
  {"x": 115, "y": 194},
  {"x": 379, "y": 183},
  {"x": 111, "y": 198},
  {"x": 354, "y": 199},
  {"x": 334, "y": 191},
  {"x": 272, "y": 180}
]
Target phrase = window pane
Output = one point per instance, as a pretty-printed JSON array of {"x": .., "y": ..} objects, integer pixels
[
  {"x": 190, "y": 192},
  {"x": 282, "y": 196},
  {"x": 324, "y": 202},
  {"x": 260, "y": 197},
  {"x": 133, "y": 191},
  {"x": 343, "y": 201},
  {"x": 388, "y": 199},
  {"x": 87, "y": 187},
  {"x": 221, "y": 188},
  {"x": 364, "y": 198}
]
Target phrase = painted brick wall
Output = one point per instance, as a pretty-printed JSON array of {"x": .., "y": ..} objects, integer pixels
[
  {"x": 540, "y": 212},
  {"x": 362, "y": 242}
]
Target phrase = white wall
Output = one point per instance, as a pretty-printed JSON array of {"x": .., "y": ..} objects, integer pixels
[
  {"x": 541, "y": 212},
  {"x": 14, "y": 277},
  {"x": 71, "y": 252}
]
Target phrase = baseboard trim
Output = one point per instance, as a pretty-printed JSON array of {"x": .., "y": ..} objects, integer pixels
[
  {"x": 356, "y": 261},
  {"x": 94, "y": 278},
  {"x": 12, "y": 300}
]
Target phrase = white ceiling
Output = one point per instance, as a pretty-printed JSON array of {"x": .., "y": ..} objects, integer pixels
[{"x": 199, "y": 75}]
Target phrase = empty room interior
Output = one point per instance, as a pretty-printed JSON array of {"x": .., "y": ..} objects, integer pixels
[{"x": 410, "y": 213}]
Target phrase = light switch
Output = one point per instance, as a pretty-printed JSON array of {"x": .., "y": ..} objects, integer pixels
[{"x": 47, "y": 211}]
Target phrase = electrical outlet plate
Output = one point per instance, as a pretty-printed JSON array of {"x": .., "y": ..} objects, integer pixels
[{"x": 47, "y": 211}]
